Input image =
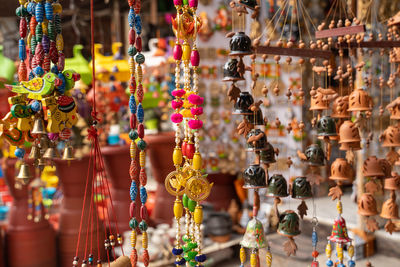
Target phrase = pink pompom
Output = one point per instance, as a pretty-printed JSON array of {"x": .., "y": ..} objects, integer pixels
[
  {"x": 176, "y": 104},
  {"x": 178, "y": 93},
  {"x": 176, "y": 118},
  {"x": 195, "y": 99},
  {"x": 195, "y": 124},
  {"x": 197, "y": 111}
]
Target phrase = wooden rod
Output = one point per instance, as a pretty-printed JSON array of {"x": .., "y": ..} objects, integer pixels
[
  {"x": 371, "y": 44},
  {"x": 339, "y": 31},
  {"x": 295, "y": 52}
]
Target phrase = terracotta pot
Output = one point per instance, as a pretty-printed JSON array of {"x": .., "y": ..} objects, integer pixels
[
  {"x": 28, "y": 244},
  {"x": 72, "y": 177},
  {"x": 223, "y": 190},
  {"x": 159, "y": 150},
  {"x": 117, "y": 161}
]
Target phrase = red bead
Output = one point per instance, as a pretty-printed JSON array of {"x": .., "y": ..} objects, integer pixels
[
  {"x": 190, "y": 149},
  {"x": 132, "y": 207},
  {"x": 144, "y": 215},
  {"x": 133, "y": 121},
  {"x": 314, "y": 254},
  {"x": 146, "y": 258},
  {"x": 131, "y": 2},
  {"x": 139, "y": 44},
  {"x": 132, "y": 36},
  {"x": 132, "y": 85},
  {"x": 138, "y": 6},
  {"x": 134, "y": 170},
  {"x": 143, "y": 177},
  {"x": 53, "y": 52},
  {"x": 139, "y": 93},
  {"x": 39, "y": 53},
  {"x": 22, "y": 72},
  {"x": 315, "y": 264},
  {"x": 46, "y": 63},
  {"x": 140, "y": 130},
  {"x": 134, "y": 258},
  {"x": 183, "y": 148},
  {"x": 32, "y": 25},
  {"x": 22, "y": 28},
  {"x": 61, "y": 61}
]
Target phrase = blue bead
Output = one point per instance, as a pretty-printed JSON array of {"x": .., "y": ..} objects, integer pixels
[
  {"x": 177, "y": 251},
  {"x": 329, "y": 263},
  {"x": 138, "y": 24},
  {"x": 133, "y": 191},
  {"x": 180, "y": 262},
  {"x": 19, "y": 153},
  {"x": 48, "y": 8},
  {"x": 31, "y": 75},
  {"x": 54, "y": 69},
  {"x": 39, "y": 12},
  {"x": 143, "y": 195},
  {"x": 131, "y": 18},
  {"x": 132, "y": 51},
  {"x": 31, "y": 7},
  {"x": 139, "y": 58},
  {"x": 61, "y": 88},
  {"x": 35, "y": 106},
  {"x": 38, "y": 71},
  {"x": 341, "y": 265},
  {"x": 140, "y": 113},
  {"x": 132, "y": 104},
  {"x": 314, "y": 238},
  {"x": 22, "y": 49},
  {"x": 200, "y": 258},
  {"x": 351, "y": 263}
]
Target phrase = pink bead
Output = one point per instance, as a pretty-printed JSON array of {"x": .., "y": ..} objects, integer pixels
[
  {"x": 176, "y": 118},
  {"x": 197, "y": 111},
  {"x": 176, "y": 104},
  {"x": 178, "y": 52},
  {"x": 193, "y": 3},
  {"x": 195, "y": 99},
  {"x": 140, "y": 130},
  {"x": 177, "y": 2},
  {"x": 132, "y": 36},
  {"x": 195, "y": 58},
  {"x": 144, "y": 213},
  {"x": 132, "y": 209},
  {"x": 133, "y": 121},
  {"x": 195, "y": 124}
]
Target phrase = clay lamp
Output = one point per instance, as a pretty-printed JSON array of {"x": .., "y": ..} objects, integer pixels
[
  {"x": 289, "y": 226},
  {"x": 390, "y": 211},
  {"x": 360, "y": 100},
  {"x": 254, "y": 177},
  {"x": 349, "y": 136},
  {"x": 256, "y": 140},
  {"x": 301, "y": 189},
  {"x": 394, "y": 109},
  {"x": 339, "y": 108},
  {"x": 326, "y": 130},
  {"x": 367, "y": 208},
  {"x": 240, "y": 45},
  {"x": 243, "y": 103},
  {"x": 267, "y": 156},
  {"x": 315, "y": 155},
  {"x": 231, "y": 71}
]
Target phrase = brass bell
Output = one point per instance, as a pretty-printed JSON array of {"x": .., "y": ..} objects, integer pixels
[
  {"x": 68, "y": 153},
  {"x": 51, "y": 153},
  {"x": 24, "y": 174},
  {"x": 35, "y": 153},
  {"x": 38, "y": 126},
  {"x": 41, "y": 163}
]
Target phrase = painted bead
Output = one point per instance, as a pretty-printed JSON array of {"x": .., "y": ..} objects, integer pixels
[
  {"x": 146, "y": 258},
  {"x": 144, "y": 240},
  {"x": 61, "y": 61},
  {"x": 350, "y": 251},
  {"x": 242, "y": 255},
  {"x": 53, "y": 52},
  {"x": 178, "y": 209},
  {"x": 46, "y": 43},
  {"x": 31, "y": 8},
  {"x": 186, "y": 52},
  {"x": 138, "y": 6},
  {"x": 133, "y": 121},
  {"x": 22, "y": 71},
  {"x": 138, "y": 24},
  {"x": 19, "y": 153},
  {"x": 32, "y": 25},
  {"x": 268, "y": 258},
  {"x": 140, "y": 130},
  {"x": 351, "y": 263},
  {"x": 328, "y": 250},
  {"x": 133, "y": 149},
  {"x": 57, "y": 8},
  {"x": 22, "y": 28},
  {"x": 134, "y": 258},
  {"x": 253, "y": 259},
  {"x": 339, "y": 252},
  {"x": 39, "y": 12},
  {"x": 141, "y": 144},
  {"x": 144, "y": 214},
  {"x": 48, "y": 8},
  {"x": 142, "y": 159},
  {"x": 139, "y": 74},
  {"x": 177, "y": 52},
  {"x": 198, "y": 214},
  {"x": 140, "y": 113},
  {"x": 59, "y": 42},
  {"x": 133, "y": 223},
  {"x": 132, "y": 104},
  {"x": 138, "y": 44},
  {"x": 133, "y": 135},
  {"x": 329, "y": 263},
  {"x": 132, "y": 50},
  {"x": 190, "y": 149},
  {"x": 195, "y": 58},
  {"x": 132, "y": 36},
  {"x": 133, "y": 190},
  {"x": 143, "y": 226},
  {"x": 132, "y": 207},
  {"x": 39, "y": 33},
  {"x": 140, "y": 92},
  {"x": 191, "y": 205},
  {"x": 197, "y": 161},
  {"x": 132, "y": 85},
  {"x": 314, "y": 238},
  {"x": 314, "y": 254},
  {"x": 21, "y": 49},
  {"x": 131, "y": 18},
  {"x": 51, "y": 31},
  {"x": 143, "y": 194},
  {"x": 177, "y": 156},
  {"x": 131, "y": 2},
  {"x": 57, "y": 23},
  {"x": 139, "y": 58},
  {"x": 21, "y": 11}
]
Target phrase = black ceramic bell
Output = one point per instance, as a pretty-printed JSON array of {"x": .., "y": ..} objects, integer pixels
[
  {"x": 249, "y": 3},
  {"x": 243, "y": 103},
  {"x": 240, "y": 45},
  {"x": 301, "y": 188},
  {"x": 256, "y": 140},
  {"x": 277, "y": 186},
  {"x": 315, "y": 155},
  {"x": 326, "y": 126},
  {"x": 289, "y": 224},
  {"x": 256, "y": 118},
  {"x": 231, "y": 72},
  {"x": 267, "y": 156},
  {"x": 254, "y": 177}
]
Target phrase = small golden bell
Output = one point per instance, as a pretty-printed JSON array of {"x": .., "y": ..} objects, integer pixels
[
  {"x": 23, "y": 176},
  {"x": 38, "y": 126},
  {"x": 50, "y": 154},
  {"x": 68, "y": 153},
  {"x": 35, "y": 153}
]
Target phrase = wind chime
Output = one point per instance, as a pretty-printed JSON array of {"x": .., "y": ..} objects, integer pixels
[
  {"x": 187, "y": 181},
  {"x": 137, "y": 169}
]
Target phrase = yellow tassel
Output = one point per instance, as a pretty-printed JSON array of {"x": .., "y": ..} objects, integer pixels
[
  {"x": 142, "y": 159},
  {"x": 242, "y": 255},
  {"x": 178, "y": 209},
  {"x": 253, "y": 260},
  {"x": 350, "y": 251},
  {"x": 177, "y": 156},
  {"x": 268, "y": 258},
  {"x": 328, "y": 250},
  {"x": 339, "y": 251},
  {"x": 197, "y": 161},
  {"x": 198, "y": 214},
  {"x": 133, "y": 149},
  {"x": 59, "y": 42},
  {"x": 144, "y": 240}
]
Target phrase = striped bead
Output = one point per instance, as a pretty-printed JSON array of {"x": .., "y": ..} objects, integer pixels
[
  {"x": 48, "y": 8},
  {"x": 22, "y": 28},
  {"x": 142, "y": 159},
  {"x": 133, "y": 150},
  {"x": 32, "y": 25},
  {"x": 22, "y": 72},
  {"x": 57, "y": 23},
  {"x": 268, "y": 258},
  {"x": 144, "y": 240},
  {"x": 39, "y": 33},
  {"x": 59, "y": 42},
  {"x": 21, "y": 49},
  {"x": 39, "y": 12},
  {"x": 139, "y": 74}
]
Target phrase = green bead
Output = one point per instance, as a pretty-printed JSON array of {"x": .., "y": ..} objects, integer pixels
[
  {"x": 133, "y": 135},
  {"x": 185, "y": 200},
  {"x": 51, "y": 31},
  {"x": 191, "y": 255},
  {"x": 141, "y": 144},
  {"x": 185, "y": 2},
  {"x": 192, "y": 263},
  {"x": 39, "y": 33},
  {"x": 185, "y": 248},
  {"x": 132, "y": 51},
  {"x": 133, "y": 223},
  {"x": 143, "y": 226},
  {"x": 191, "y": 205},
  {"x": 186, "y": 239},
  {"x": 33, "y": 45},
  {"x": 192, "y": 245},
  {"x": 21, "y": 11}
]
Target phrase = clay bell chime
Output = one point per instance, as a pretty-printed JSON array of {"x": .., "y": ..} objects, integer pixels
[
  {"x": 301, "y": 189},
  {"x": 289, "y": 226},
  {"x": 254, "y": 177}
]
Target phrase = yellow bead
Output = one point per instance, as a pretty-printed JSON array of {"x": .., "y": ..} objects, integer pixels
[
  {"x": 253, "y": 260},
  {"x": 177, "y": 156},
  {"x": 350, "y": 251},
  {"x": 268, "y": 258},
  {"x": 142, "y": 159},
  {"x": 328, "y": 250},
  {"x": 131, "y": 64},
  {"x": 22, "y": 2},
  {"x": 60, "y": 42},
  {"x": 339, "y": 207},
  {"x": 242, "y": 255},
  {"x": 186, "y": 51},
  {"x": 28, "y": 40},
  {"x": 178, "y": 209},
  {"x": 144, "y": 240},
  {"x": 44, "y": 26},
  {"x": 57, "y": 8},
  {"x": 133, "y": 149},
  {"x": 133, "y": 239},
  {"x": 198, "y": 214},
  {"x": 339, "y": 251},
  {"x": 139, "y": 74},
  {"x": 197, "y": 161}
]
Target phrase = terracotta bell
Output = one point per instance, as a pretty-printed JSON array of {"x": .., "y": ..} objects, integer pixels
[
  {"x": 277, "y": 186},
  {"x": 243, "y": 103},
  {"x": 341, "y": 170},
  {"x": 38, "y": 126},
  {"x": 289, "y": 224},
  {"x": 339, "y": 231},
  {"x": 372, "y": 167},
  {"x": 386, "y": 168},
  {"x": 301, "y": 188},
  {"x": 367, "y": 205},
  {"x": 350, "y": 146},
  {"x": 390, "y": 209},
  {"x": 391, "y": 136},
  {"x": 256, "y": 140},
  {"x": 254, "y": 177},
  {"x": 349, "y": 133},
  {"x": 254, "y": 238},
  {"x": 360, "y": 100},
  {"x": 256, "y": 117},
  {"x": 315, "y": 155},
  {"x": 240, "y": 45},
  {"x": 394, "y": 109},
  {"x": 248, "y": 3},
  {"x": 392, "y": 183},
  {"x": 326, "y": 126},
  {"x": 231, "y": 72},
  {"x": 267, "y": 156},
  {"x": 339, "y": 107},
  {"x": 318, "y": 102}
]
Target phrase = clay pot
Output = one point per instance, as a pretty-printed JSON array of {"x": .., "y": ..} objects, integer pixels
[
  {"x": 256, "y": 140},
  {"x": 240, "y": 45},
  {"x": 73, "y": 177},
  {"x": 117, "y": 162},
  {"x": 372, "y": 167},
  {"x": 359, "y": 100},
  {"x": 243, "y": 103},
  {"x": 392, "y": 183},
  {"x": 223, "y": 190},
  {"x": 318, "y": 102},
  {"x": 231, "y": 72},
  {"x": 391, "y": 136},
  {"x": 339, "y": 107},
  {"x": 326, "y": 126},
  {"x": 390, "y": 210},
  {"x": 367, "y": 205},
  {"x": 349, "y": 133},
  {"x": 341, "y": 170},
  {"x": 28, "y": 244},
  {"x": 254, "y": 177}
]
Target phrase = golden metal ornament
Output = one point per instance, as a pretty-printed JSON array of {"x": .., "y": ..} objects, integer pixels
[
  {"x": 68, "y": 153},
  {"x": 175, "y": 183},
  {"x": 24, "y": 176},
  {"x": 35, "y": 153},
  {"x": 184, "y": 25},
  {"x": 51, "y": 153},
  {"x": 38, "y": 126},
  {"x": 198, "y": 188}
]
